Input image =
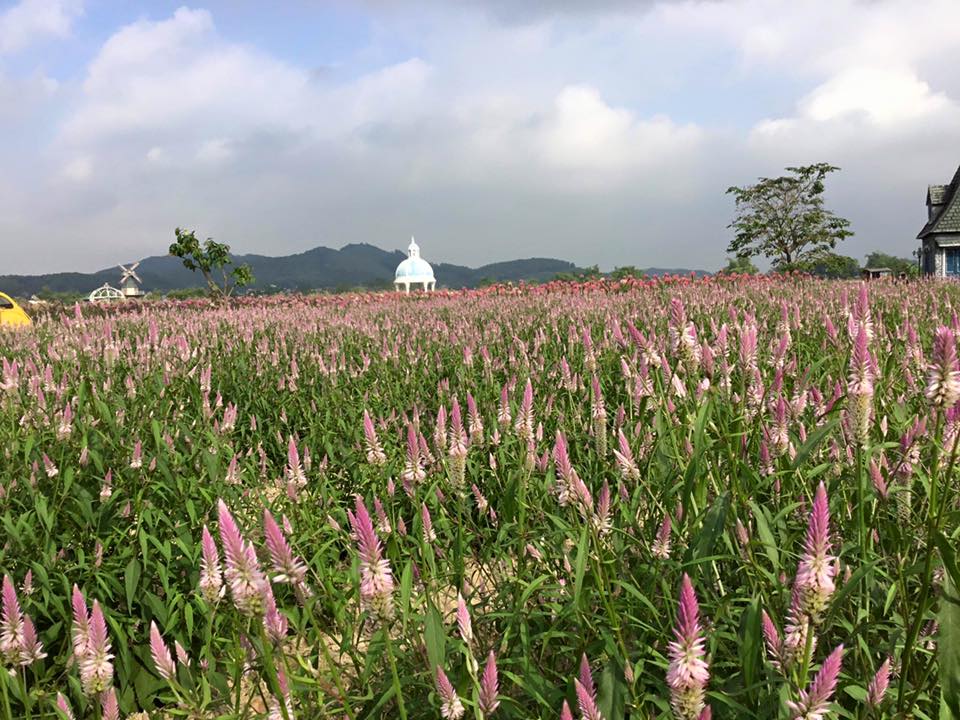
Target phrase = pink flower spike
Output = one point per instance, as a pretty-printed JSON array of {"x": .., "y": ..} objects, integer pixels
[
  {"x": 31, "y": 647},
  {"x": 687, "y": 673},
  {"x": 565, "y": 713},
  {"x": 376, "y": 579},
  {"x": 11, "y": 624},
  {"x": 211, "y": 577},
  {"x": 463, "y": 620},
  {"x": 289, "y": 569},
  {"x": 450, "y": 706},
  {"x": 243, "y": 575},
  {"x": 877, "y": 688},
  {"x": 81, "y": 625},
  {"x": 64, "y": 707},
  {"x": 108, "y": 704},
  {"x": 587, "y": 701},
  {"x": 162, "y": 660},
  {"x": 273, "y": 621},
  {"x": 489, "y": 686},
  {"x": 817, "y": 568},
  {"x": 814, "y": 702},
  {"x": 96, "y": 670}
]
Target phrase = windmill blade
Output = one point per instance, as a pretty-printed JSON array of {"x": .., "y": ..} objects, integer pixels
[
  {"x": 124, "y": 269},
  {"x": 135, "y": 265},
  {"x": 135, "y": 276}
]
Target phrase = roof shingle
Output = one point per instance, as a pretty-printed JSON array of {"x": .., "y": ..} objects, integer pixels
[{"x": 948, "y": 219}]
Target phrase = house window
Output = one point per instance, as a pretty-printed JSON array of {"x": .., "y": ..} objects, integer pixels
[{"x": 952, "y": 262}]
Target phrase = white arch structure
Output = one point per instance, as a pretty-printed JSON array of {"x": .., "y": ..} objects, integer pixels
[{"x": 414, "y": 271}]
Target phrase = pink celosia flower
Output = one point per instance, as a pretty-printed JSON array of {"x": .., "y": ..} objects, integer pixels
[
  {"x": 64, "y": 707},
  {"x": 296, "y": 477},
  {"x": 31, "y": 647},
  {"x": 96, "y": 670},
  {"x": 489, "y": 687},
  {"x": 814, "y": 702},
  {"x": 375, "y": 453},
  {"x": 450, "y": 706},
  {"x": 243, "y": 575},
  {"x": 162, "y": 660},
  {"x": 878, "y": 685},
  {"x": 108, "y": 705},
  {"x": 463, "y": 620},
  {"x": 80, "y": 632},
  {"x": 565, "y": 713},
  {"x": 586, "y": 692},
  {"x": 429, "y": 535},
  {"x": 625, "y": 460},
  {"x": 860, "y": 387},
  {"x": 211, "y": 579},
  {"x": 376, "y": 579},
  {"x": 11, "y": 625},
  {"x": 771, "y": 638},
  {"x": 274, "y": 621},
  {"x": 943, "y": 378},
  {"x": 289, "y": 568},
  {"x": 661, "y": 544},
  {"x": 817, "y": 568},
  {"x": 688, "y": 672}
]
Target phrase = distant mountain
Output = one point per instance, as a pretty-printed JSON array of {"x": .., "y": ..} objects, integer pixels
[{"x": 322, "y": 268}]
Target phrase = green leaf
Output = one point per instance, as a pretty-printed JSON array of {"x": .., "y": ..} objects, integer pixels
[
  {"x": 813, "y": 441},
  {"x": 612, "y": 696},
  {"x": 766, "y": 537},
  {"x": 713, "y": 524},
  {"x": 131, "y": 580},
  {"x": 435, "y": 638},
  {"x": 750, "y": 640},
  {"x": 948, "y": 643}
]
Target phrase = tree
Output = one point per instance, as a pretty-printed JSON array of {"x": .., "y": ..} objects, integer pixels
[
  {"x": 740, "y": 266},
  {"x": 208, "y": 258},
  {"x": 784, "y": 219},
  {"x": 897, "y": 264},
  {"x": 827, "y": 265}
]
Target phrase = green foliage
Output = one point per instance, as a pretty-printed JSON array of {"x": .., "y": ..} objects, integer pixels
[
  {"x": 784, "y": 218},
  {"x": 546, "y": 581},
  {"x": 740, "y": 266},
  {"x": 826, "y": 265},
  {"x": 897, "y": 264},
  {"x": 210, "y": 257}
]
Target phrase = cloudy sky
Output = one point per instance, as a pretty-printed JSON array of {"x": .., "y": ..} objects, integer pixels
[{"x": 598, "y": 131}]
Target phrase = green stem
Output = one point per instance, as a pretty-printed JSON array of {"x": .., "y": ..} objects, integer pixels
[
  {"x": 7, "y": 713},
  {"x": 397, "y": 689}
]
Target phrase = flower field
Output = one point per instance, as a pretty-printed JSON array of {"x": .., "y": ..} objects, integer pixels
[{"x": 723, "y": 498}]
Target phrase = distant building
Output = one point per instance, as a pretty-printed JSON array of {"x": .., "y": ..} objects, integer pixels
[
  {"x": 940, "y": 237},
  {"x": 414, "y": 271},
  {"x": 875, "y": 273}
]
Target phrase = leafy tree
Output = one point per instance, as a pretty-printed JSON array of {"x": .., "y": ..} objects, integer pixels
[
  {"x": 827, "y": 265},
  {"x": 784, "y": 219},
  {"x": 896, "y": 264},
  {"x": 627, "y": 271},
  {"x": 208, "y": 258},
  {"x": 740, "y": 266}
]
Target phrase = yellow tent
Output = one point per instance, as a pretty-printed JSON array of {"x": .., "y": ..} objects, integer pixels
[{"x": 11, "y": 313}]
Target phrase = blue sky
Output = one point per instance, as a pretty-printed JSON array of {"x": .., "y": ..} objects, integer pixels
[{"x": 600, "y": 132}]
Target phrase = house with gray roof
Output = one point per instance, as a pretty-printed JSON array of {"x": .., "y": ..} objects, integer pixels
[{"x": 940, "y": 237}]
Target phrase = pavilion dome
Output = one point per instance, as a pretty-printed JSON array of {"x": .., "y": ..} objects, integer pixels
[{"x": 414, "y": 269}]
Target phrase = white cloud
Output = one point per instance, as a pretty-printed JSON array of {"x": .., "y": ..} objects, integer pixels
[
  {"x": 584, "y": 134},
  {"x": 29, "y": 20},
  {"x": 494, "y": 139},
  {"x": 79, "y": 169}
]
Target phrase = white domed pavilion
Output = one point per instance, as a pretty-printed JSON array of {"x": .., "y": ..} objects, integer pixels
[{"x": 414, "y": 271}]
